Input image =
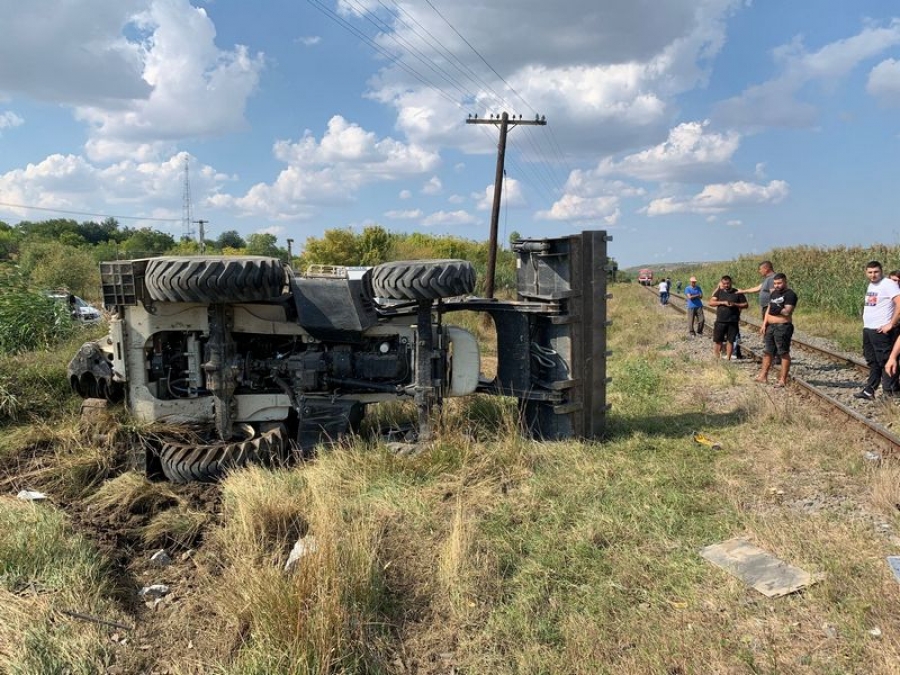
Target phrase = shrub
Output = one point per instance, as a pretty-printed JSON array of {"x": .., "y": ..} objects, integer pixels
[{"x": 29, "y": 320}]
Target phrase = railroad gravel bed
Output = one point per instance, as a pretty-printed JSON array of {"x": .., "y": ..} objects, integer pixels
[{"x": 838, "y": 379}]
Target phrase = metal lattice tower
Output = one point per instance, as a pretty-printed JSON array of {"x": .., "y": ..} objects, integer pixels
[{"x": 187, "y": 216}]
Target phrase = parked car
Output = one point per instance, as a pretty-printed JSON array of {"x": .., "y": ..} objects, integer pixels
[{"x": 81, "y": 311}]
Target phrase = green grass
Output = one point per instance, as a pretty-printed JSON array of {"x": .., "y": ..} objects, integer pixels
[
  {"x": 490, "y": 552},
  {"x": 40, "y": 557},
  {"x": 830, "y": 284}
]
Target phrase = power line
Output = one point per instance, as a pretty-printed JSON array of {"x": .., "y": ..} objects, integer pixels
[{"x": 88, "y": 213}]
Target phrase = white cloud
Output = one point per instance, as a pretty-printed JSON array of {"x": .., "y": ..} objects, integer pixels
[
  {"x": 604, "y": 82},
  {"x": 9, "y": 119},
  {"x": 884, "y": 83},
  {"x": 721, "y": 197},
  {"x": 309, "y": 41},
  {"x": 456, "y": 199},
  {"x": 511, "y": 196},
  {"x": 126, "y": 188},
  {"x": 573, "y": 207},
  {"x": 777, "y": 103},
  {"x": 445, "y": 218},
  {"x": 330, "y": 171},
  {"x": 433, "y": 186},
  {"x": 405, "y": 194},
  {"x": 411, "y": 214},
  {"x": 142, "y": 74},
  {"x": 687, "y": 155}
]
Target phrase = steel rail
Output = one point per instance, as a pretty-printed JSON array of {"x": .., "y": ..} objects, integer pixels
[
  {"x": 857, "y": 363},
  {"x": 876, "y": 428}
]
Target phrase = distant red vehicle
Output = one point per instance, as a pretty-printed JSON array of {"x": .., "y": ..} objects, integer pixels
[{"x": 645, "y": 277}]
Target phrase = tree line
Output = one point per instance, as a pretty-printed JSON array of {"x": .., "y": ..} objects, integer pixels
[{"x": 65, "y": 253}]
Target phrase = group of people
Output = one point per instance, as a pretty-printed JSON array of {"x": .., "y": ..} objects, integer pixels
[
  {"x": 777, "y": 303},
  {"x": 881, "y": 324}
]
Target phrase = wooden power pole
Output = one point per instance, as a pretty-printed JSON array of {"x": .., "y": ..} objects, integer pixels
[{"x": 505, "y": 123}]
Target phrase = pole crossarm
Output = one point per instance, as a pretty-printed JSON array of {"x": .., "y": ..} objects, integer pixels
[{"x": 510, "y": 123}]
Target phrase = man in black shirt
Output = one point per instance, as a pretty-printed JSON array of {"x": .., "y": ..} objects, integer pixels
[
  {"x": 728, "y": 303},
  {"x": 777, "y": 329}
]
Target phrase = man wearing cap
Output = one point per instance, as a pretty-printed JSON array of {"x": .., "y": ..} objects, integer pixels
[{"x": 694, "y": 295}]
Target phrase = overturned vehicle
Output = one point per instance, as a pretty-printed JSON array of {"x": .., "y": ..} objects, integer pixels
[{"x": 262, "y": 364}]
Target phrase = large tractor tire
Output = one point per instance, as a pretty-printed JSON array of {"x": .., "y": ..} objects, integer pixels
[
  {"x": 214, "y": 280},
  {"x": 184, "y": 461},
  {"x": 423, "y": 279}
]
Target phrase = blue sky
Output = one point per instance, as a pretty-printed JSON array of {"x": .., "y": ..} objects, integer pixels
[{"x": 688, "y": 129}]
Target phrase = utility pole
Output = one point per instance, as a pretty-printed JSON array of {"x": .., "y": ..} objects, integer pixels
[
  {"x": 504, "y": 122},
  {"x": 201, "y": 223},
  {"x": 290, "y": 256}
]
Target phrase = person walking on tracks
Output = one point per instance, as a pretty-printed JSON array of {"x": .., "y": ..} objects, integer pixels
[
  {"x": 778, "y": 329},
  {"x": 728, "y": 303},
  {"x": 767, "y": 272},
  {"x": 694, "y": 295},
  {"x": 881, "y": 314},
  {"x": 664, "y": 292}
]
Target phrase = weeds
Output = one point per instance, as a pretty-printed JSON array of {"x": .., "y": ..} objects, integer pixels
[
  {"x": 488, "y": 552},
  {"x": 39, "y": 554},
  {"x": 29, "y": 320}
]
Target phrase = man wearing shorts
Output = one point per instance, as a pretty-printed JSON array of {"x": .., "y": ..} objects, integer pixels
[
  {"x": 777, "y": 329},
  {"x": 728, "y": 303}
]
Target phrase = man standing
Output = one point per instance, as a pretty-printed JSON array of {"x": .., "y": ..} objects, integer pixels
[
  {"x": 764, "y": 287},
  {"x": 663, "y": 292},
  {"x": 694, "y": 295},
  {"x": 881, "y": 314},
  {"x": 777, "y": 330},
  {"x": 728, "y": 303}
]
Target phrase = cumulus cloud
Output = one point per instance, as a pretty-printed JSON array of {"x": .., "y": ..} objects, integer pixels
[
  {"x": 127, "y": 188},
  {"x": 512, "y": 195},
  {"x": 605, "y": 81},
  {"x": 688, "y": 154},
  {"x": 405, "y": 194},
  {"x": 884, "y": 83},
  {"x": 573, "y": 207},
  {"x": 329, "y": 171},
  {"x": 778, "y": 103},
  {"x": 721, "y": 197},
  {"x": 433, "y": 186},
  {"x": 141, "y": 74}
]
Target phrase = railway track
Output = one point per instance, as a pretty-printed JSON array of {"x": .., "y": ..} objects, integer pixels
[{"x": 817, "y": 370}]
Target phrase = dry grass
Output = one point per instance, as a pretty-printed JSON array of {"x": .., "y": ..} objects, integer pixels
[
  {"x": 492, "y": 553},
  {"x": 319, "y": 618}
]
